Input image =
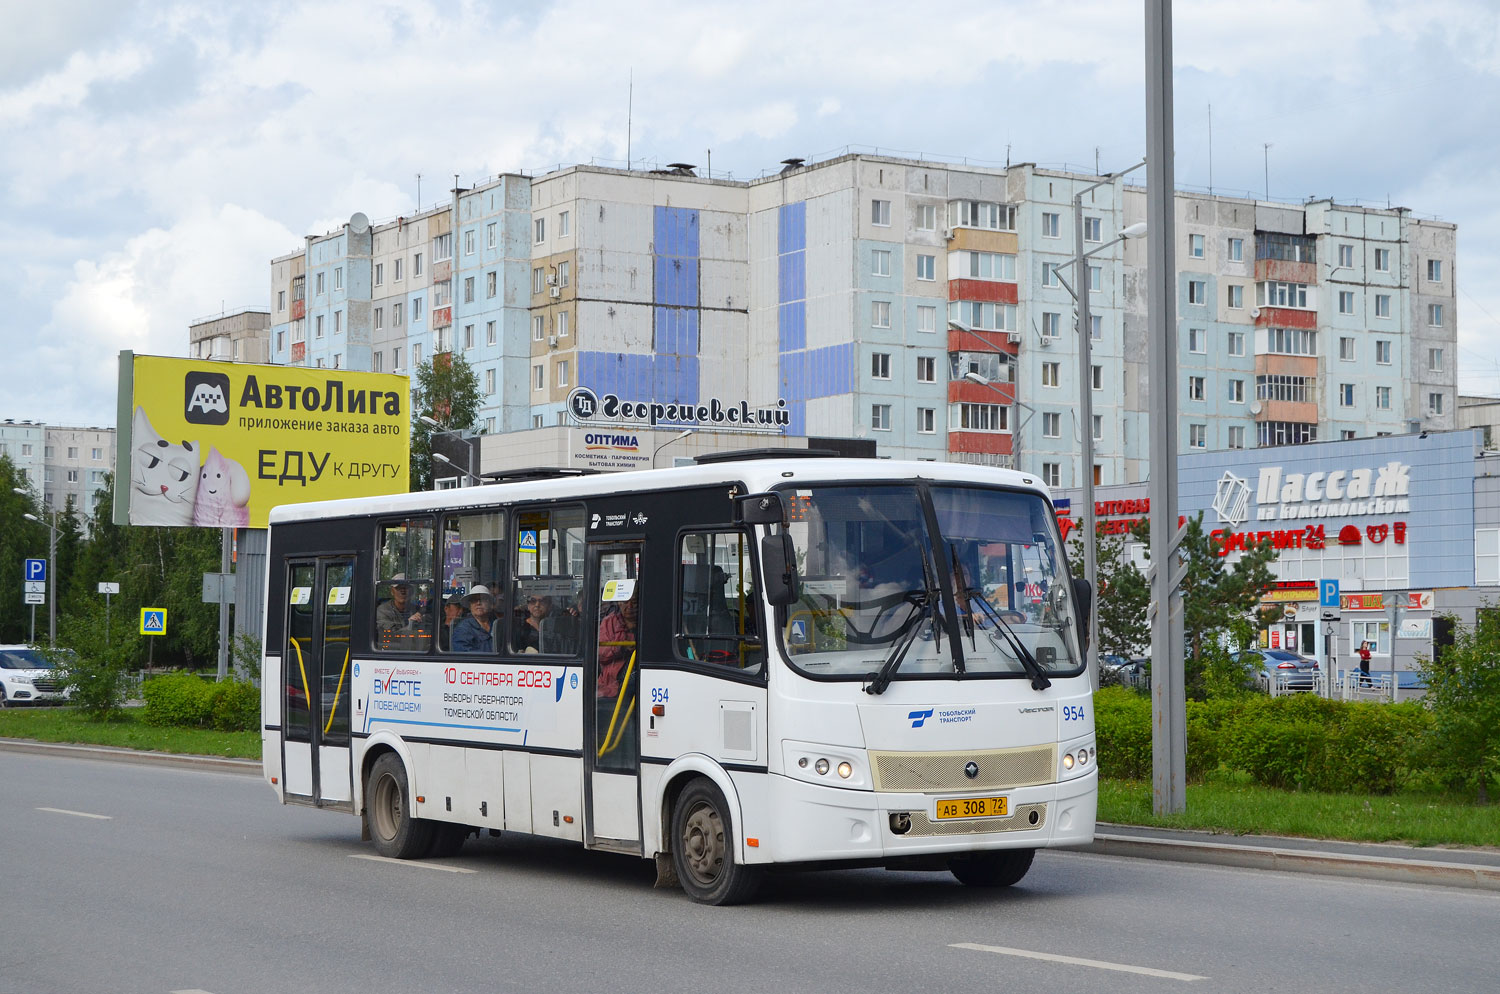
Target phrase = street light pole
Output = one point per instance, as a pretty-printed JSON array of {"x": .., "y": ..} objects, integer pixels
[
  {"x": 439, "y": 457},
  {"x": 51, "y": 573},
  {"x": 675, "y": 438},
  {"x": 1015, "y": 446}
]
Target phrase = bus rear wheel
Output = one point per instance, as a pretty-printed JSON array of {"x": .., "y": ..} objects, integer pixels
[
  {"x": 996, "y": 868},
  {"x": 703, "y": 848},
  {"x": 396, "y": 833}
]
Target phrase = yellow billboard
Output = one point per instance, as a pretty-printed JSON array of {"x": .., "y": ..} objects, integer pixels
[{"x": 218, "y": 444}]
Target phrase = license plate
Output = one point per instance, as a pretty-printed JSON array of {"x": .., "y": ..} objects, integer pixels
[{"x": 972, "y": 807}]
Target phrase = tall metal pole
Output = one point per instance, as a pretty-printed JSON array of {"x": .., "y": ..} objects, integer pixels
[
  {"x": 1086, "y": 415},
  {"x": 52, "y": 582},
  {"x": 1168, "y": 696},
  {"x": 226, "y": 536}
]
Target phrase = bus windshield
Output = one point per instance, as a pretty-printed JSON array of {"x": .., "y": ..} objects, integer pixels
[{"x": 874, "y": 576}]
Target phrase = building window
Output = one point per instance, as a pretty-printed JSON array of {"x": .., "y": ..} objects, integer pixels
[
  {"x": 1434, "y": 403},
  {"x": 1487, "y": 556},
  {"x": 280, "y": 341},
  {"x": 1092, "y": 226},
  {"x": 1236, "y": 391},
  {"x": 396, "y": 268},
  {"x": 1096, "y": 279},
  {"x": 1236, "y": 342},
  {"x": 416, "y": 308},
  {"x": 377, "y": 361},
  {"x": 1377, "y": 633},
  {"x": 1051, "y": 225},
  {"x": 979, "y": 417},
  {"x": 562, "y": 372},
  {"x": 562, "y": 324},
  {"x": 318, "y": 326},
  {"x": 926, "y": 217},
  {"x": 96, "y": 454},
  {"x": 1383, "y": 398},
  {"x": 1236, "y": 437},
  {"x": 396, "y": 355},
  {"x": 1346, "y": 434},
  {"x": 1383, "y": 351},
  {"x": 927, "y": 318},
  {"x": 1435, "y": 360},
  {"x": 1291, "y": 341},
  {"x": 1382, "y": 260},
  {"x": 489, "y": 381},
  {"x": 1197, "y": 292},
  {"x": 1195, "y": 246},
  {"x": 539, "y": 377},
  {"x": 1051, "y": 324},
  {"x": 1434, "y": 270},
  {"x": 880, "y": 417},
  {"x": 1346, "y": 301},
  {"x": 1279, "y": 387},
  {"x": 1346, "y": 349},
  {"x": 539, "y": 230},
  {"x": 1096, "y": 327},
  {"x": 442, "y": 247},
  {"x": 926, "y": 369},
  {"x": 926, "y": 267},
  {"x": 1049, "y": 274},
  {"x": 1051, "y": 424},
  {"x": 338, "y": 277},
  {"x": 318, "y": 284},
  {"x": 1236, "y": 250},
  {"x": 564, "y": 224},
  {"x": 1346, "y": 256},
  {"x": 489, "y": 333},
  {"x": 538, "y": 421},
  {"x": 538, "y": 327},
  {"x": 1274, "y": 293},
  {"x": 1195, "y": 388},
  {"x": 880, "y": 213},
  {"x": 1382, "y": 305},
  {"x": 1198, "y": 341},
  {"x": 1052, "y": 474},
  {"x": 396, "y": 310},
  {"x": 416, "y": 355},
  {"x": 1097, "y": 377},
  {"x": 880, "y": 365},
  {"x": 468, "y": 336},
  {"x": 926, "y": 420},
  {"x": 1435, "y": 315},
  {"x": 490, "y": 283},
  {"x": 1235, "y": 296},
  {"x": 978, "y": 214},
  {"x": 538, "y": 279},
  {"x": 1051, "y": 374},
  {"x": 1346, "y": 394},
  {"x": 983, "y": 265},
  {"x": 881, "y": 262},
  {"x": 469, "y": 242},
  {"x": 489, "y": 235},
  {"x": 565, "y": 273},
  {"x": 379, "y": 274},
  {"x": 880, "y": 313},
  {"x": 993, "y": 366},
  {"x": 416, "y": 265},
  {"x": 468, "y": 289},
  {"x": 1197, "y": 436},
  {"x": 1098, "y": 428}
]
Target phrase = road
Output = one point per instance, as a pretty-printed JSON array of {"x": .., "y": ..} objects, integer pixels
[{"x": 125, "y": 878}]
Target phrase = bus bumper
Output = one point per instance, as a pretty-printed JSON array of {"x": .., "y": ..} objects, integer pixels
[{"x": 814, "y": 823}]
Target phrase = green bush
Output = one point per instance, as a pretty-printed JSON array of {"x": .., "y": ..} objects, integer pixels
[
  {"x": 234, "y": 706},
  {"x": 1122, "y": 732},
  {"x": 180, "y": 699},
  {"x": 1278, "y": 753},
  {"x": 1378, "y": 747}
]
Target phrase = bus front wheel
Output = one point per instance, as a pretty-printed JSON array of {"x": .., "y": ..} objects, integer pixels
[
  {"x": 703, "y": 848},
  {"x": 396, "y": 833},
  {"x": 996, "y": 868}
]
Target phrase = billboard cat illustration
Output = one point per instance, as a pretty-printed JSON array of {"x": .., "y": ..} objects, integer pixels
[
  {"x": 223, "y": 493},
  {"x": 163, "y": 475}
]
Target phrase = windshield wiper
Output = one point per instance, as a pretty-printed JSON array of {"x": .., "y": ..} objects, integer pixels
[
  {"x": 970, "y": 596},
  {"x": 922, "y": 600}
]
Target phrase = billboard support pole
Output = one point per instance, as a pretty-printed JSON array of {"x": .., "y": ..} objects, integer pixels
[{"x": 226, "y": 537}]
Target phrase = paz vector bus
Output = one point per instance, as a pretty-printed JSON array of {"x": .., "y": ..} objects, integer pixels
[{"x": 753, "y": 662}]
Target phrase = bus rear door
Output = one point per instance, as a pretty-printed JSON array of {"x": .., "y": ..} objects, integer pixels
[
  {"x": 613, "y": 754},
  {"x": 315, "y": 698}
]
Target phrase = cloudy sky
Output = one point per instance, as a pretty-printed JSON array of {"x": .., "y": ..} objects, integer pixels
[{"x": 155, "y": 156}]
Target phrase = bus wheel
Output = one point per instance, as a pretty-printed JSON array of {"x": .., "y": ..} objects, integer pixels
[
  {"x": 396, "y": 833},
  {"x": 703, "y": 848},
  {"x": 997, "y": 868}
]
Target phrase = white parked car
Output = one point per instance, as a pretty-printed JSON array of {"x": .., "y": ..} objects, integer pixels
[{"x": 28, "y": 677}]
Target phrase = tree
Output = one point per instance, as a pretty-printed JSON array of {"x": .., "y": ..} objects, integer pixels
[
  {"x": 19, "y": 540},
  {"x": 447, "y": 391},
  {"x": 1216, "y": 597},
  {"x": 1120, "y": 598},
  {"x": 1463, "y": 693}
]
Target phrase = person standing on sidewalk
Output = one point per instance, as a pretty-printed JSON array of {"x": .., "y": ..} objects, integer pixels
[{"x": 1364, "y": 664}]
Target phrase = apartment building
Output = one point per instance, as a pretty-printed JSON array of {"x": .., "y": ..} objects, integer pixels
[
  {"x": 61, "y": 462},
  {"x": 242, "y": 335},
  {"x": 927, "y": 307}
]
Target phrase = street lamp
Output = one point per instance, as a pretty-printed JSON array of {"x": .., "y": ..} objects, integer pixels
[
  {"x": 51, "y": 570},
  {"x": 974, "y": 376},
  {"x": 675, "y": 438},
  {"x": 439, "y": 457}
]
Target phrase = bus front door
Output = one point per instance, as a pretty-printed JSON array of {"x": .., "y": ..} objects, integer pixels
[
  {"x": 613, "y": 769},
  {"x": 315, "y": 699}
]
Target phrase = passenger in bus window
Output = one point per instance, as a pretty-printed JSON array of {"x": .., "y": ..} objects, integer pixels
[
  {"x": 617, "y": 641},
  {"x": 453, "y": 613},
  {"x": 529, "y": 631},
  {"x": 397, "y": 619},
  {"x": 473, "y": 633}
]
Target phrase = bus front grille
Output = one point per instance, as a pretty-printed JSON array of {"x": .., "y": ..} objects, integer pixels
[{"x": 926, "y": 772}]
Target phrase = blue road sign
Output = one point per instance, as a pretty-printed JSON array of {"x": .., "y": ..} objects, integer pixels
[
  {"x": 36, "y": 569},
  {"x": 153, "y": 621},
  {"x": 1328, "y": 593}
]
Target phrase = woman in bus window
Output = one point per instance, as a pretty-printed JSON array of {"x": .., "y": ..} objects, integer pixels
[{"x": 473, "y": 634}]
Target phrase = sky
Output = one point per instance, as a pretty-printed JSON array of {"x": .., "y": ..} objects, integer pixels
[{"x": 155, "y": 156}]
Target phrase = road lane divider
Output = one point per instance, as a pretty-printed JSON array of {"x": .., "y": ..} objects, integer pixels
[
  {"x": 1096, "y": 964},
  {"x": 419, "y": 864},
  {"x": 77, "y": 814}
]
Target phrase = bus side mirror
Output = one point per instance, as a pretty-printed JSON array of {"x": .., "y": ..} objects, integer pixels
[
  {"x": 777, "y": 562},
  {"x": 759, "y": 509},
  {"x": 1084, "y": 595}
]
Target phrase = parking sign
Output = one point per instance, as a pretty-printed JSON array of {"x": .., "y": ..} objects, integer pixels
[
  {"x": 1328, "y": 593},
  {"x": 36, "y": 569}
]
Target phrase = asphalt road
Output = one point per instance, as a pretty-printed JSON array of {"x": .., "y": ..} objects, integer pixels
[{"x": 130, "y": 878}]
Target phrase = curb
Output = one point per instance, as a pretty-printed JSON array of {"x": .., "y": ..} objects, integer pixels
[
  {"x": 221, "y": 764},
  {"x": 1413, "y": 871}
]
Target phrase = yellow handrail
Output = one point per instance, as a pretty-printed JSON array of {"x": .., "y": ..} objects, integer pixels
[
  {"x": 306, "y": 690},
  {"x": 611, "y": 737},
  {"x": 336, "y": 691}
]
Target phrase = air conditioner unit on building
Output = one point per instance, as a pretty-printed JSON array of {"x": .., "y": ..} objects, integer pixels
[
  {"x": 948, "y": 234},
  {"x": 555, "y": 292},
  {"x": 552, "y": 279},
  {"x": 1254, "y": 313},
  {"x": 1013, "y": 337},
  {"x": 551, "y": 341}
]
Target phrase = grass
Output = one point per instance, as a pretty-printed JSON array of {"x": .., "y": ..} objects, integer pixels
[
  {"x": 1233, "y": 805},
  {"x": 124, "y": 732}
]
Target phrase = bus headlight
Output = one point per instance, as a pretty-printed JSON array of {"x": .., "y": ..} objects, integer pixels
[
  {"x": 817, "y": 763},
  {"x": 821, "y": 766},
  {"x": 845, "y": 770}
]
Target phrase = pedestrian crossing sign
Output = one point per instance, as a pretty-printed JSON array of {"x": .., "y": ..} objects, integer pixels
[{"x": 153, "y": 621}]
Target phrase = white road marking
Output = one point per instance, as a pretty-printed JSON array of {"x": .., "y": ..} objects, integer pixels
[
  {"x": 193, "y": 991},
  {"x": 413, "y": 862},
  {"x": 77, "y": 814},
  {"x": 1076, "y": 961}
]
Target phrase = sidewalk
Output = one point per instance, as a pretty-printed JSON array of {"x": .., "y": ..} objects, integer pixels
[{"x": 1475, "y": 869}]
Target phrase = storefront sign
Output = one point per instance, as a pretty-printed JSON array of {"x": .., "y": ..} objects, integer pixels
[
  {"x": 589, "y": 409},
  {"x": 1362, "y": 602},
  {"x": 1415, "y": 628},
  {"x": 1339, "y": 493}
]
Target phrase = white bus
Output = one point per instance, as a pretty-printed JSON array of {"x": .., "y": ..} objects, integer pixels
[{"x": 747, "y": 663}]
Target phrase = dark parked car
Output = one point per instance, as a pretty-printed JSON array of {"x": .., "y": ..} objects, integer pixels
[{"x": 1266, "y": 665}]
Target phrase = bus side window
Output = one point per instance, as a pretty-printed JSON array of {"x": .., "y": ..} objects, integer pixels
[
  {"x": 473, "y": 556},
  {"x": 404, "y": 608},
  {"x": 546, "y": 595},
  {"x": 718, "y": 621}
]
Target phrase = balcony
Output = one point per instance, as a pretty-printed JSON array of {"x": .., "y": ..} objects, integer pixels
[
  {"x": 299, "y": 310},
  {"x": 299, "y": 351},
  {"x": 442, "y": 317}
]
